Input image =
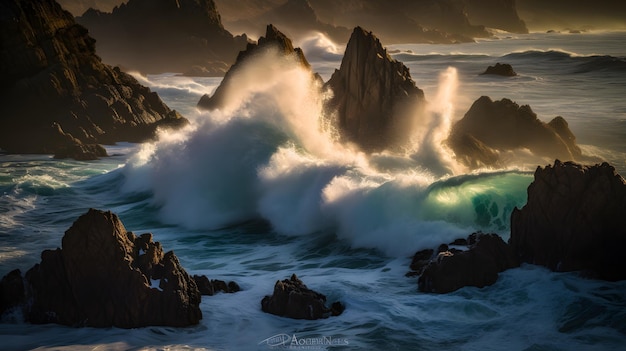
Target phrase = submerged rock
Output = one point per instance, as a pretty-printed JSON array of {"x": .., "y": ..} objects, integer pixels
[
  {"x": 105, "y": 276},
  {"x": 501, "y": 69},
  {"x": 490, "y": 127},
  {"x": 212, "y": 286},
  {"x": 273, "y": 40},
  {"x": 374, "y": 97},
  {"x": 292, "y": 299},
  {"x": 56, "y": 95},
  {"x": 574, "y": 220},
  {"x": 479, "y": 265}
]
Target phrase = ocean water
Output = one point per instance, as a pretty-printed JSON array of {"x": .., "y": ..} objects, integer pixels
[{"x": 261, "y": 190}]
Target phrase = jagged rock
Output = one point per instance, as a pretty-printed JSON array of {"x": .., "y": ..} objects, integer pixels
[
  {"x": 292, "y": 299},
  {"x": 273, "y": 39},
  {"x": 479, "y": 265},
  {"x": 492, "y": 126},
  {"x": 574, "y": 220},
  {"x": 55, "y": 91},
  {"x": 374, "y": 97},
  {"x": 105, "y": 276},
  {"x": 12, "y": 291},
  {"x": 501, "y": 69},
  {"x": 156, "y": 36},
  {"x": 500, "y": 14},
  {"x": 212, "y": 286}
]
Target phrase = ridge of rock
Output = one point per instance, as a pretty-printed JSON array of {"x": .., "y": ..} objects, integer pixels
[
  {"x": 157, "y": 36},
  {"x": 510, "y": 127},
  {"x": 574, "y": 220},
  {"x": 374, "y": 96},
  {"x": 56, "y": 94},
  {"x": 273, "y": 39}
]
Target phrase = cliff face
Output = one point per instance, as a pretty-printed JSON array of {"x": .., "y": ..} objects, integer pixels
[
  {"x": 273, "y": 39},
  {"x": 56, "y": 93},
  {"x": 156, "y": 36},
  {"x": 374, "y": 97},
  {"x": 492, "y": 126},
  {"x": 500, "y": 14}
]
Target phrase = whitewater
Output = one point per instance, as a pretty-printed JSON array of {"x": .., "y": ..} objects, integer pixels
[{"x": 263, "y": 188}]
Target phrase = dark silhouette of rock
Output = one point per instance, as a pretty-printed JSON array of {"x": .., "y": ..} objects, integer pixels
[
  {"x": 273, "y": 40},
  {"x": 501, "y": 69},
  {"x": 156, "y": 36},
  {"x": 212, "y": 286},
  {"x": 479, "y": 265},
  {"x": 56, "y": 96},
  {"x": 374, "y": 97},
  {"x": 492, "y": 126},
  {"x": 12, "y": 291},
  {"x": 105, "y": 276},
  {"x": 574, "y": 220},
  {"x": 292, "y": 299},
  {"x": 499, "y": 14}
]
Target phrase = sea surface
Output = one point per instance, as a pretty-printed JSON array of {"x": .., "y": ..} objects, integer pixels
[{"x": 261, "y": 190}]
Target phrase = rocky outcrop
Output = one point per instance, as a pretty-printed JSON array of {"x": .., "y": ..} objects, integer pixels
[
  {"x": 56, "y": 96},
  {"x": 292, "y": 299},
  {"x": 211, "y": 287},
  {"x": 499, "y": 14},
  {"x": 501, "y": 69},
  {"x": 105, "y": 276},
  {"x": 478, "y": 265},
  {"x": 374, "y": 97},
  {"x": 12, "y": 292},
  {"x": 490, "y": 127},
  {"x": 273, "y": 40},
  {"x": 156, "y": 36},
  {"x": 574, "y": 220}
]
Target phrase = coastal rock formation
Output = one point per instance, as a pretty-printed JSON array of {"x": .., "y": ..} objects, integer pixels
[
  {"x": 574, "y": 220},
  {"x": 56, "y": 95},
  {"x": 493, "y": 126},
  {"x": 105, "y": 276},
  {"x": 273, "y": 40},
  {"x": 374, "y": 97},
  {"x": 451, "y": 269},
  {"x": 501, "y": 69},
  {"x": 211, "y": 287},
  {"x": 292, "y": 299},
  {"x": 12, "y": 291},
  {"x": 156, "y": 36},
  {"x": 499, "y": 14}
]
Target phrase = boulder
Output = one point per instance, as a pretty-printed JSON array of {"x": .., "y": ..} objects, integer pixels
[
  {"x": 273, "y": 40},
  {"x": 574, "y": 220},
  {"x": 479, "y": 265},
  {"x": 12, "y": 292},
  {"x": 500, "y": 69},
  {"x": 56, "y": 92},
  {"x": 490, "y": 127},
  {"x": 292, "y": 299},
  {"x": 374, "y": 97},
  {"x": 159, "y": 36},
  {"x": 212, "y": 286},
  {"x": 105, "y": 276}
]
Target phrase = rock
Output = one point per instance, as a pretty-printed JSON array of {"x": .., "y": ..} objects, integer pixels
[
  {"x": 213, "y": 286},
  {"x": 501, "y": 69},
  {"x": 292, "y": 299},
  {"x": 490, "y": 127},
  {"x": 12, "y": 292},
  {"x": 447, "y": 271},
  {"x": 374, "y": 97},
  {"x": 273, "y": 39},
  {"x": 158, "y": 36},
  {"x": 574, "y": 220},
  {"x": 105, "y": 276},
  {"x": 56, "y": 92},
  {"x": 499, "y": 14}
]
